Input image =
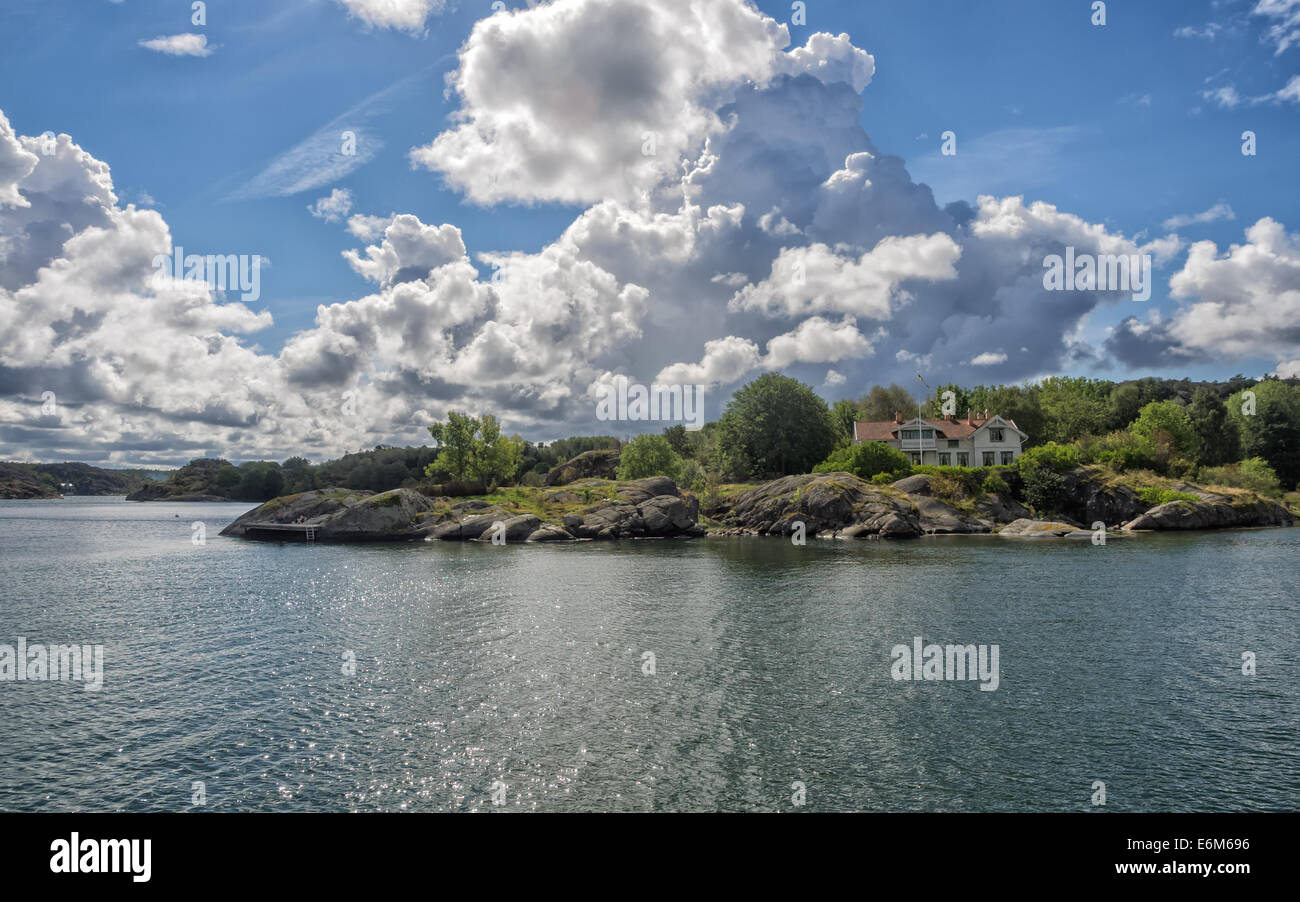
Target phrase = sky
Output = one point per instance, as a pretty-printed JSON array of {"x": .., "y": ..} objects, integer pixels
[{"x": 503, "y": 207}]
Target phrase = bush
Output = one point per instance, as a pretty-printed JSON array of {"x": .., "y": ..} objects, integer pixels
[
  {"x": 995, "y": 485},
  {"x": 692, "y": 476},
  {"x": 1044, "y": 488},
  {"x": 649, "y": 455},
  {"x": 1253, "y": 474},
  {"x": 866, "y": 461},
  {"x": 1124, "y": 450},
  {"x": 1156, "y": 496},
  {"x": 1051, "y": 456}
]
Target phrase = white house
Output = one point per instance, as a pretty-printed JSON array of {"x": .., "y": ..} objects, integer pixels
[{"x": 949, "y": 442}]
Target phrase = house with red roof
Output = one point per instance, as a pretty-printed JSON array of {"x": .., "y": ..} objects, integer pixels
[{"x": 950, "y": 441}]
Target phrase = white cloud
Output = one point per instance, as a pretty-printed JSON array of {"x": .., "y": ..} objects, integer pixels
[
  {"x": 1247, "y": 302},
  {"x": 405, "y": 15},
  {"x": 1284, "y": 31},
  {"x": 1208, "y": 30},
  {"x": 831, "y": 58},
  {"x": 334, "y": 207},
  {"x": 816, "y": 279},
  {"x": 180, "y": 45},
  {"x": 989, "y": 358},
  {"x": 817, "y": 340},
  {"x": 409, "y": 250},
  {"x": 725, "y": 360},
  {"x": 833, "y": 378},
  {"x": 549, "y": 113},
  {"x": 1219, "y": 211}
]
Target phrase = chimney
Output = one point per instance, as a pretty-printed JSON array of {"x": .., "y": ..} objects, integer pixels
[
  {"x": 952, "y": 418},
  {"x": 898, "y": 417},
  {"x": 986, "y": 413},
  {"x": 970, "y": 416}
]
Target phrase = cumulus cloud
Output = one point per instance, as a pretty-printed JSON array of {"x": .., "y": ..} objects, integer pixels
[
  {"x": 409, "y": 250},
  {"x": 816, "y": 279},
  {"x": 830, "y": 58},
  {"x": 768, "y": 232},
  {"x": 334, "y": 207},
  {"x": 1239, "y": 304},
  {"x": 179, "y": 45}
]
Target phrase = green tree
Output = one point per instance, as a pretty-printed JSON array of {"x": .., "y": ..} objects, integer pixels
[
  {"x": 649, "y": 455},
  {"x": 473, "y": 448},
  {"x": 844, "y": 414},
  {"x": 1215, "y": 439},
  {"x": 866, "y": 460},
  {"x": 1073, "y": 407},
  {"x": 962, "y": 402},
  {"x": 774, "y": 426},
  {"x": 882, "y": 403},
  {"x": 1124, "y": 403},
  {"x": 1268, "y": 421},
  {"x": 679, "y": 439},
  {"x": 1168, "y": 427}
]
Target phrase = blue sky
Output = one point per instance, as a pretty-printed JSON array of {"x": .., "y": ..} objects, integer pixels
[{"x": 1118, "y": 125}]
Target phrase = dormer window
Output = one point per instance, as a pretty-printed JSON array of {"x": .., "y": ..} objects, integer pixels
[{"x": 995, "y": 435}]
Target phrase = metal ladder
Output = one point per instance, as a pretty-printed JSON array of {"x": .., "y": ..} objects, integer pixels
[{"x": 311, "y": 533}]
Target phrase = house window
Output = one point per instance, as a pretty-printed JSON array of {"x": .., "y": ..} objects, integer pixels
[
  {"x": 954, "y": 443},
  {"x": 1008, "y": 457},
  {"x": 945, "y": 460},
  {"x": 910, "y": 433},
  {"x": 916, "y": 458},
  {"x": 963, "y": 458},
  {"x": 929, "y": 433},
  {"x": 995, "y": 435},
  {"x": 988, "y": 458}
]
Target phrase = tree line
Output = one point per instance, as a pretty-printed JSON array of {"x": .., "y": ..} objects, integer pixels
[{"x": 1237, "y": 432}]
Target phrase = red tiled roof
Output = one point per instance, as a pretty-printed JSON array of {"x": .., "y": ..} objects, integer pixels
[{"x": 884, "y": 430}]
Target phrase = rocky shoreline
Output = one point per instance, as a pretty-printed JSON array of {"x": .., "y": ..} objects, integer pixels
[{"x": 825, "y": 505}]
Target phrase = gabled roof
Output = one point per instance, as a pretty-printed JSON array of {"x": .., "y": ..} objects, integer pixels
[{"x": 884, "y": 430}]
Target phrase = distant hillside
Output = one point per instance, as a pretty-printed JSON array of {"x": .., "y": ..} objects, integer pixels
[{"x": 20, "y": 480}]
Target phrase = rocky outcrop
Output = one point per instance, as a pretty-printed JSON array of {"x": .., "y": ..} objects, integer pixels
[
  {"x": 1044, "y": 529},
  {"x": 644, "y": 508},
  {"x": 598, "y": 464},
  {"x": 1213, "y": 512},
  {"x": 1092, "y": 500},
  {"x": 163, "y": 491},
  {"x": 337, "y": 515},
  {"x": 937, "y": 518},
  {"x": 826, "y": 503}
]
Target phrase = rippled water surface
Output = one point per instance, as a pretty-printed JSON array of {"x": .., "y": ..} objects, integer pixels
[{"x": 224, "y": 663}]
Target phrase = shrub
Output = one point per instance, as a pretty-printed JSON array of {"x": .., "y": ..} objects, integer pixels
[
  {"x": 995, "y": 485},
  {"x": 1253, "y": 474},
  {"x": 648, "y": 455},
  {"x": 866, "y": 461},
  {"x": 1044, "y": 488},
  {"x": 1051, "y": 456},
  {"x": 692, "y": 475},
  {"x": 1125, "y": 450},
  {"x": 1156, "y": 496}
]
